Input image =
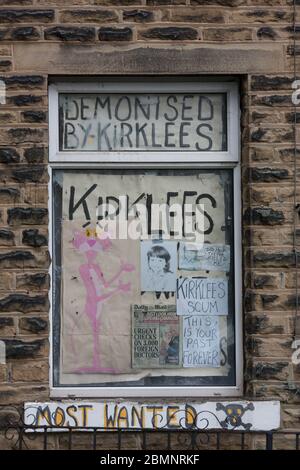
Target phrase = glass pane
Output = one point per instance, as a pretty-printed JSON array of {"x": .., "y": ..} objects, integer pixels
[
  {"x": 142, "y": 122},
  {"x": 148, "y": 306}
]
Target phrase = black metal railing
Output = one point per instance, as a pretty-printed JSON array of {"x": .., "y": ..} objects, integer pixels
[{"x": 68, "y": 438}]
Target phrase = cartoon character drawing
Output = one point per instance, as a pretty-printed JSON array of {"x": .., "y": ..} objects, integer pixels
[{"x": 98, "y": 289}]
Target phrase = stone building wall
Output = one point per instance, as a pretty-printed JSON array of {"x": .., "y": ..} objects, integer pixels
[{"x": 250, "y": 39}]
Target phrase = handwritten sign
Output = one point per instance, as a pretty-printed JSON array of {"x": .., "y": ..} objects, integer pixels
[
  {"x": 153, "y": 122},
  {"x": 201, "y": 344},
  {"x": 254, "y": 416},
  {"x": 204, "y": 257},
  {"x": 202, "y": 296},
  {"x": 85, "y": 196}
]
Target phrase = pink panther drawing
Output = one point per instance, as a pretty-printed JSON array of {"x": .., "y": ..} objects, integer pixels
[{"x": 98, "y": 289}]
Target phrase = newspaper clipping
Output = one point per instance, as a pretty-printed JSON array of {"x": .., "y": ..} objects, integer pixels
[{"x": 156, "y": 337}]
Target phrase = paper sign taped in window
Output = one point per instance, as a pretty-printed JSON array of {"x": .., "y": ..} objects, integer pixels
[
  {"x": 201, "y": 341},
  {"x": 206, "y": 257},
  {"x": 207, "y": 296}
]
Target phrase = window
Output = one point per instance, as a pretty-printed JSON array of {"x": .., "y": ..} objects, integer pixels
[{"x": 145, "y": 223}]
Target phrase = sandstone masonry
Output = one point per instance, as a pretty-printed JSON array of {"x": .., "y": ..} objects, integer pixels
[{"x": 251, "y": 39}]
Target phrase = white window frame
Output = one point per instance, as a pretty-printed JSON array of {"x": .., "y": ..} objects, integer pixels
[
  {"x": 231, "y": 155},
  {"x": 154, "y": 160}
]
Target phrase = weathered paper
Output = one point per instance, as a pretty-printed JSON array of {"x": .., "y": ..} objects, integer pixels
[
  {"x": 156, "y": 336},
  {"x": 206, "y": 257},
  {"x": 113, "y": 314},
  {"x": 78, "y": 336}
]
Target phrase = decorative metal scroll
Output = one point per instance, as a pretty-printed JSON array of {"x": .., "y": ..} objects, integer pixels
[{"x": 15, "y": 434}]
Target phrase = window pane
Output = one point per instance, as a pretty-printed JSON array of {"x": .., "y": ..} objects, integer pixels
[
  {"x": 150, "y": 312},
  {"x": 143, "y": 122}
]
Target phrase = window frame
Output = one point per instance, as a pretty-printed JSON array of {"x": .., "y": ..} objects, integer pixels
[
  {"x": 153, "y": 160},
  {"x": 230, "y": 88}
]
